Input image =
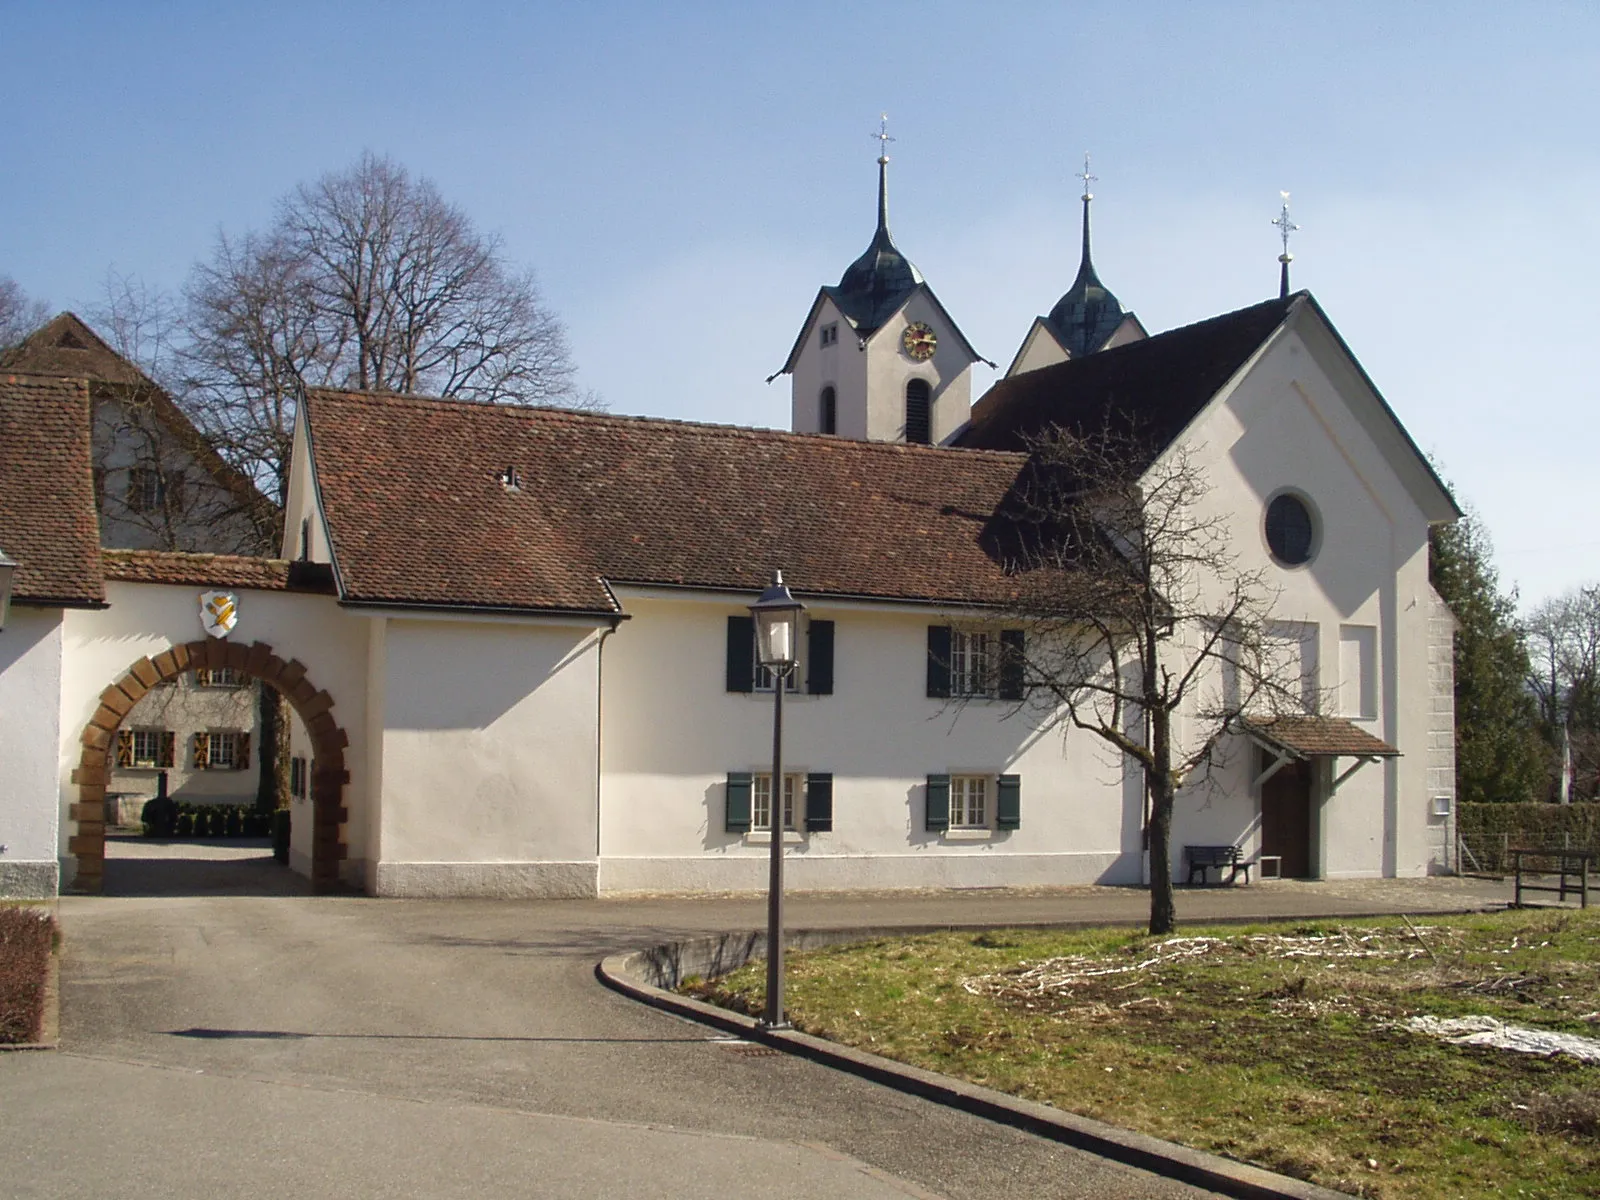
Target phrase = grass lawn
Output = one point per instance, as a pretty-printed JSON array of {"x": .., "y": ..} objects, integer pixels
[
  {"x": 27, "y": 934},
  {"x": 1282, "y": 1045}
]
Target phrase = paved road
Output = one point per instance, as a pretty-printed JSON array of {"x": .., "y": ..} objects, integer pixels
[{"x": 273, "y": 1044}]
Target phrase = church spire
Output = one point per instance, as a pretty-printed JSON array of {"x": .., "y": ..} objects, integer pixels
[
  {"x": 1285, "y": 228},
  {"x": 1088, "y": 314},
  {"x": 1086, "y": 264},
  {"x": 883, "y": 139}
]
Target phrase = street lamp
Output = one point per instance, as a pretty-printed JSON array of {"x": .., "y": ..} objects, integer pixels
[
  {"x": 777, "y": 621},
  {"x": 8, "y": 571}
]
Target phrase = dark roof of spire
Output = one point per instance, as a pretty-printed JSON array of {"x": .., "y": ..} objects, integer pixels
[
  {"x": 877, "y": 283},
  {"x": 1088, "y": 314}
]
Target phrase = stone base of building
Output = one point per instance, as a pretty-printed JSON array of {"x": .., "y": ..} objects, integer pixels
[
  {"x": 30, "y": 880},
  {"x": 868, "y": 872},
  {"x": 489, "y": 881}
]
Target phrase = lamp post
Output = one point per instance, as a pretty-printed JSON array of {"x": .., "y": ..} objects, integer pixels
[
  {"x": 777, "y": 621},
  {"x": 8, "y": 571}
]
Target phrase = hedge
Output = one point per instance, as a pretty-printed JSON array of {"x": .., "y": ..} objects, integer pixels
[
  {"x": 26, "y": 935},
  {"x": 166, "y": 818},
  {"x": 1489, "y": 829}
]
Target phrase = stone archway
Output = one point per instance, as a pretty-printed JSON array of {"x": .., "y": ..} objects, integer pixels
[{"x": 256, "y": 661}]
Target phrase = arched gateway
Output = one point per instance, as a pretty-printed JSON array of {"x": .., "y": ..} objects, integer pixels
[{"x": 256, "y": 661}]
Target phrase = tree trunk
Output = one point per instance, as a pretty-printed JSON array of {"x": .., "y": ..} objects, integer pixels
[
  {"x": 1163, "y": 910},
  {"x": 272, "y": 790}
]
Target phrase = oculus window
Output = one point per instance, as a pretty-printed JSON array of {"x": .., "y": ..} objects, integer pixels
[{"x": 1291, "y": 531}]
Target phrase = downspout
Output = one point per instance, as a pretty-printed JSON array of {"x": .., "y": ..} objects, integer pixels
[{"x": 599, "y": 733}]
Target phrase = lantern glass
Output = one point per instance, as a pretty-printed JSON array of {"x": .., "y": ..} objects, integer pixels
[{"x": 777, "y": 618}]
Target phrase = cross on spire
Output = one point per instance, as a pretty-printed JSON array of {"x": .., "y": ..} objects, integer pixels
[
  {"x": 1285, "y": 228},
  {"x": 883, "y": 138},
  {"x": 1086, "y": 177}
]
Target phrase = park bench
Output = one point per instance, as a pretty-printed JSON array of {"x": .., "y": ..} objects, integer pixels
[{"x": 1204, "y": 858}]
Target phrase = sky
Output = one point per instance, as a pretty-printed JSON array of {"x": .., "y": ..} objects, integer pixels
[{"x": 684, "y": 177}]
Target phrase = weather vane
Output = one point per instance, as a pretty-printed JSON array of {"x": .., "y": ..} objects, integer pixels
[
  {"x": 883, "y": 137},
  {"x": 1285, "y": 228},
  {"x": 1086, "y": 177}
]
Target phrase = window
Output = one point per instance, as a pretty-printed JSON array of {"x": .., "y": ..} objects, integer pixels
[
  {"x": 828, "y": 417},
  {"x": 918, "y": 419},
  {"x": 146, "y": 748},
  {"x": 1291, "y": 532},
  {"x": 829, "y": 334},
  {"x": 297, "y": 777},
  {"x": 975, "y": 663},
  {"x": 963, "y": 802},
  {"x": 218, "y": 677},
  {"x": 745, "y": 674},
  {"x": 761, "y": 799},
  {"x": 149, "y": 491},
  {"x": 969, "y": 802},
  {"x": 221, "y": 750}
]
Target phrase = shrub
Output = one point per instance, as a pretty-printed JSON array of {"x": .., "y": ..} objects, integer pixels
[
  {"x": 280, "y": 835},
  {"x": 25, "y": 937},
  {"x": 185, "y": 825},
  {"x": 159, "y": 816},
  {"x": 231, "y": 825}
]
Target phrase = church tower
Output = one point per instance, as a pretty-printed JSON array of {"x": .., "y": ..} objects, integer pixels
[
  {"x": 1088, "y": 318},
  {"x": 878, "y": 357}
]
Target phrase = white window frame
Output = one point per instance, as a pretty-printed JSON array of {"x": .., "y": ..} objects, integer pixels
[
  {"x": 216, "y": 758},
  {"x": 219, "y": 677},
  {"x": 147, "y": 489},
  {"x": 971, "y": 801},
  {"x": 794, "y": 800},
  {"x": 974, "y": 663},
  {"x": 151, "y": 761}
]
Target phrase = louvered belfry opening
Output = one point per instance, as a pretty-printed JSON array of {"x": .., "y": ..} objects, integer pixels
[{"x": 919, "y": 416}]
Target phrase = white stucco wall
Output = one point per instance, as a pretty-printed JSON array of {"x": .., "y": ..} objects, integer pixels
[
  {"x": 842, "y": 366},
  {"x": 1039, "y": 349},
  {"x": 672, "y": 732},
  {"x": 1298, "y": 420},
  {"x": 30, "y": 732},
  {"x": 489, "y": 758},
  {"x": 145, "y": 619}
]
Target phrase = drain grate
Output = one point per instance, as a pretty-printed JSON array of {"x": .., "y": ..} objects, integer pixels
[{"x": 747, "y": 1049}]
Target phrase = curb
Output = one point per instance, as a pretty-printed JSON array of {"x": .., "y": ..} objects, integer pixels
[{"x": 631, "y": 974}]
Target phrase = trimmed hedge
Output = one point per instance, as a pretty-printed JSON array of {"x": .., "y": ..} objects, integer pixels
[
  {"x": 168, "y": 818},
  {"x": 26, "y": 935},
  {"x": 1488, "y": 829}
]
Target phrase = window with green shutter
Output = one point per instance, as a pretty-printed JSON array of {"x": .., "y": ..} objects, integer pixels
[
  {"x": 741, "y": 654},
  {"x": 1011, "y": 663},
  {"x": 819, "y": 658},
  {"x": 937, "y": 818},
  {"x": 939, "y": 661},
  {"x": 736, "y": 802}
]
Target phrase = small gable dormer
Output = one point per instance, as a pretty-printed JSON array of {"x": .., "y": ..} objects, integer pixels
[
  {"x": 878, "y": 357},
  {"x": 1088, "y": 317}
]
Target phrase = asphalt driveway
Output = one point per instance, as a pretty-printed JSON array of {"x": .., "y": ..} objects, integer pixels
[{"x": 271, "y": 1044}]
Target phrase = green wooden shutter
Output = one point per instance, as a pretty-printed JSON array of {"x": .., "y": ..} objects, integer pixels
[
  {"x": 1011, "y": 660},
  {"x": 741, "y": 655},
  {"x": 819, "y": 658},
  {"x": 938, "y": 808},
  {"x": 1008, "y": 802},
  {"x": 736, "y": 818},
  {"x": 939, "y": 661},
  {"x": 819, "y": 802}
]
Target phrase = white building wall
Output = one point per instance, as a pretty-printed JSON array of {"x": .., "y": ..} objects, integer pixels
[
  {"x": 672, "y": 732},
  {"x": 889, "y": 369},
  {"x": 1288, "y": 425},
  {"x": 489, "y": 758},
  {"x": 145, "y": 619},
  {"x": 30, "y": 731},
  {"x": 842, "y": 366},
  {"x": 185, "y": 708},
  {"x": 1039, "y": 349}
]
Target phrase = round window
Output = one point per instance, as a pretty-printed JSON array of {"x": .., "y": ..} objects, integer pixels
[{"x": 1290, "y": 530}]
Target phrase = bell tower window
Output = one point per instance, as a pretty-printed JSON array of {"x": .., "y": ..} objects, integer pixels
[
  {"x": 918, "y": 419},
  {"x": 828, "y": 411}
]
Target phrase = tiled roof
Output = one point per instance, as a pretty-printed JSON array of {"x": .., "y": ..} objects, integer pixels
[
  {"x": 216, "y": 570},
  {"x": 417, "y": 514},
  {"x": 48, "y": 522},
  {"x": 1309, "y": 737},
  {"x": 1161, "y": 382}
]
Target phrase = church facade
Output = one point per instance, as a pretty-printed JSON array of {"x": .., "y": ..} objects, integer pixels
[{"x": 520, "y": 644}]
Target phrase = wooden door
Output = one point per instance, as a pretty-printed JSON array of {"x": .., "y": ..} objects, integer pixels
[{"x": 1286, "y": 818}]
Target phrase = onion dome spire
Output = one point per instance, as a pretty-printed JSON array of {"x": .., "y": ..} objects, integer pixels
[
  {"x": 1088, "y": 314},
  {"x": 1285, "y": 228},
  {"x": 874, "y": 285}
]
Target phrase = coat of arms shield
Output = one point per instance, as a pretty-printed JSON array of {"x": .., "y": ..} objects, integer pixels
[{"x": 219, "y": 613}]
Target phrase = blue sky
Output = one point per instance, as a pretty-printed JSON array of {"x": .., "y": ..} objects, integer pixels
[{"x": 683, "y": 177}]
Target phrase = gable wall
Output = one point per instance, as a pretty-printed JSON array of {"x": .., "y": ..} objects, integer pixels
[
  {"x": 843, "y": 365},
  {"x": 1288, "y": 426},
  {"x": 30, "y": 715},
  {"x": 948, "y": 372}
]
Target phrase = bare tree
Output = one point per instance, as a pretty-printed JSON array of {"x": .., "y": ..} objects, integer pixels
[
  {"x": 367, "y": 279},
  {"x": 1564, "y": 634},
  {"x": 1134, "y": 609},
  {"x": 19, "y": 316}
]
